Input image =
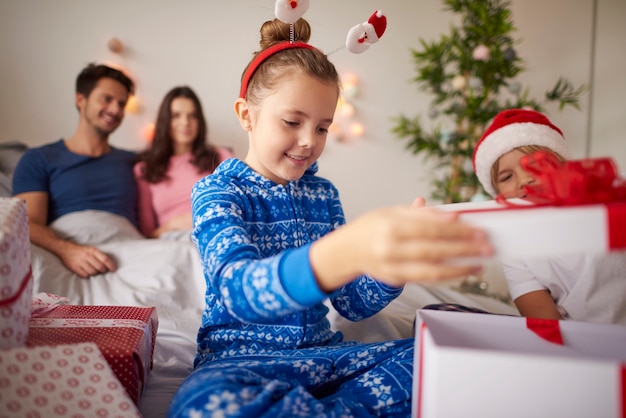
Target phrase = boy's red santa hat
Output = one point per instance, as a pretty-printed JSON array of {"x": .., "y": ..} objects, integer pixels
[{"x": 510, "y": 129}]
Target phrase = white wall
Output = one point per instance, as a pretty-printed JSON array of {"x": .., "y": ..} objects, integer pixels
[
  {"x": 206, "y": 44},
  {"x": 609, "y": 93}
]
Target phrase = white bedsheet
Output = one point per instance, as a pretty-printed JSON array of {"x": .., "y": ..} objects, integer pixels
[{"x": 167, "y": 274}]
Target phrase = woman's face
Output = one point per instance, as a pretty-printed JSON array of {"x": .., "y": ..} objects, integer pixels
[
  {"x": 511, "y": 177},
  {"x": 183, "y": 124},
  {"x": 289, "y": 127}
]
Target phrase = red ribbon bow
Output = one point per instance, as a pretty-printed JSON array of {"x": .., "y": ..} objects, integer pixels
[{"x": 574, "y": 182}]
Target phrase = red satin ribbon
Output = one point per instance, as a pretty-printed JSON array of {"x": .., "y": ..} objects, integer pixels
[
  {"x": 623, "y": 391},
  {"x": 574, "y": 182},
  {"x": 617, "y": 226},
  {"x": 13, "y": 298},
  {"x": 548, "y": 329}
]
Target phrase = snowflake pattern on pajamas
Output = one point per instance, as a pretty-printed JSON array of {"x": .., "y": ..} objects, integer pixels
[{"x": 261, "y": 350}]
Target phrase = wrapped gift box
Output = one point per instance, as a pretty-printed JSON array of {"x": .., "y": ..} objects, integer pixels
[
  {"x": 125, "y": 334},
  {"x": 530, "y": 230},
  {"x": 16, "y": 284},
  {"x": 470, "y": 364},
  {"x": 61, "y": 381}
]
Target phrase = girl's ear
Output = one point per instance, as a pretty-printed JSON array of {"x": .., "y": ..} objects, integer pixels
[{"x": 243, "y": 114}]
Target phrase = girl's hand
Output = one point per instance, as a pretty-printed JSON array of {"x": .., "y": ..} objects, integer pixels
[{"x": 398, "y": 245}]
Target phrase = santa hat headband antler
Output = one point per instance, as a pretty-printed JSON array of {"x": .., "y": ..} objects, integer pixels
[{"x": 360, "y": 37}]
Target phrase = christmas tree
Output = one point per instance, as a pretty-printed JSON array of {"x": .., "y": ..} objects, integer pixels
[{"x": 471, "y": 75}]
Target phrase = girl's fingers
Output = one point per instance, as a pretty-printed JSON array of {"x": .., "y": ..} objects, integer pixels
[
  {"x": 434, "y": 225},
  {"x": 439, "y": 251},
  {"x": 426, "y": 272},
  {"x": 418, "y": 202},
  {"x": 410, "y": 244}
]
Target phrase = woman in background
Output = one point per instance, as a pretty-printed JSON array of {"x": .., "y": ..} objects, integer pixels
[{"x": 179, "y": 156}]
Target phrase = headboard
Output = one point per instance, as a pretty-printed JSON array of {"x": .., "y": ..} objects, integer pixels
[{"x": 10, "y": 154}]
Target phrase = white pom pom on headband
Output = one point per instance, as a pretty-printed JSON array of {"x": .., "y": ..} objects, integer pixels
[
  {"x": 360, "y": 37},
  {"x": 289, "y": 11}
]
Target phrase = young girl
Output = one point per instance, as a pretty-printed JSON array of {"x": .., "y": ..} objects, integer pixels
[
  {"x": 274, "y": 246},
  {"x": 178, "y": 157},
  {"x": 584, "y": 287}
]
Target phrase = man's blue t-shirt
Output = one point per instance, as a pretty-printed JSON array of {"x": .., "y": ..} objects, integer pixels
[{"x": 79, "y": 182}]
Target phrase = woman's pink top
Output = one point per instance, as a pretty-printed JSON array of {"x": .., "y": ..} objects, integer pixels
[{"x": 158, "y": 202}]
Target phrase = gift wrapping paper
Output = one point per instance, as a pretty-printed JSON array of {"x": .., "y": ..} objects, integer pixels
[
  {"x": 61, "y": 381},
  {"x": 16, "y": 284},
  {"x": 124, "y": 334}
]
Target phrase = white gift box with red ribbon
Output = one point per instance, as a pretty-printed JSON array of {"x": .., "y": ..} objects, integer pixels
[
  {"x": 16, "y": 283},
  {"x": 61, "y": 381},
  {"x": 529, "y": 230},
  {"x": 471, "y": 364}
]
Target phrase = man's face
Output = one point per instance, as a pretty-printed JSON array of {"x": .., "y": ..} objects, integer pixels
[{"x": 104, "y": 108}]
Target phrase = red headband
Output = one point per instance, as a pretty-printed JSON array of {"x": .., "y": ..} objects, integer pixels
[{"x": 262, "y": 56}]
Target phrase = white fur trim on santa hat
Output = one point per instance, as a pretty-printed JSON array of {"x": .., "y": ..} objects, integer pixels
[{"x": 509, "y": 137}]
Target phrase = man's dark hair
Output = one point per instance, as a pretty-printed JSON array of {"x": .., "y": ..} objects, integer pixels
[{"x": 92, "y": 73}]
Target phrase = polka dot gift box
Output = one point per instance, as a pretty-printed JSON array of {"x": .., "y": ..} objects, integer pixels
[
  {"x": 124, "y": 334},
  {"x": 61, "y": 381},
  {"x": 16, "y": 284}
]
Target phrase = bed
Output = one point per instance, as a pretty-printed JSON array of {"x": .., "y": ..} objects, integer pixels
[{"x": 166, "y": 273}]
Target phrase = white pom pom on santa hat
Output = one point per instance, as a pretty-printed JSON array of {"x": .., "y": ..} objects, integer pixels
[
  {"x": 377, "y": 24},
  {"x": 510, "y": 129}
]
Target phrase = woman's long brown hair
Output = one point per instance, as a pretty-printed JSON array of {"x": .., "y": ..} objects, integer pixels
[{"x": 157, "y": 157}]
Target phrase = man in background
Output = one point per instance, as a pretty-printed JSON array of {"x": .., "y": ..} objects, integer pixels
[{"x": 82, "y": 172}]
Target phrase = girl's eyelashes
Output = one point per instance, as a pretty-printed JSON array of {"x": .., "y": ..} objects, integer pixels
[
  {"x": 290, "y": 123},
  {"x": 294, "y": 124}
]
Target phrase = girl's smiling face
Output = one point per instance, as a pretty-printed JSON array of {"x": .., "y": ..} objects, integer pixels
[{"x": 288, "y": 129}]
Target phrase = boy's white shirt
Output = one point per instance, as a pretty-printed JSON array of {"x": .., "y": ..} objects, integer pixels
[{"x": 585, "y": 287}]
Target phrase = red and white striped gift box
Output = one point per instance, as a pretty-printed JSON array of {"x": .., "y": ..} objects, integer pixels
[
  {"x": 61, "y": 381},
  {"x": 16, "y": 284},
  {"x": 125, "y": 334}
]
